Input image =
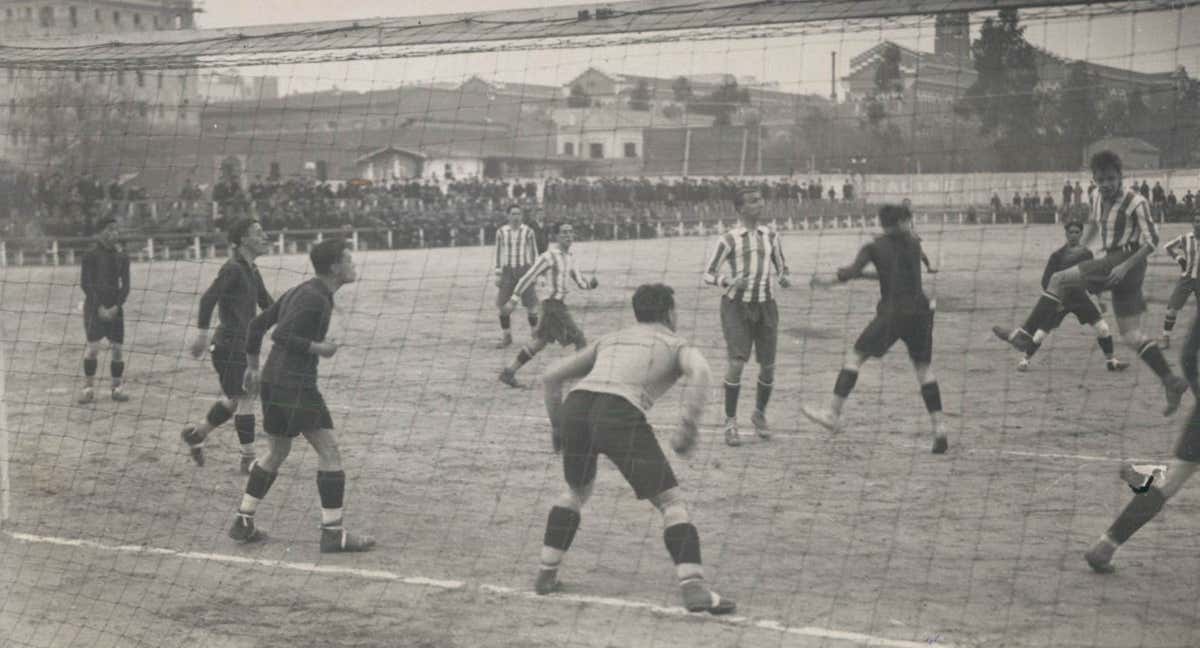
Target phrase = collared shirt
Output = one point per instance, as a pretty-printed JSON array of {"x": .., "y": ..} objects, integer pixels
[
  {"x": 558, "y": 266},
  {"x": 516, "y": 247},
  {"x": 639, "y": 364},
  {"x": 1125, "y": 225},
  {"x": 104, "y": 276},
  {"x": 757, "y": 253},
  {"x": 300, "y": 317},
  {"x": 1185, "y": 250},
  {"x": 235, "y": 292}
]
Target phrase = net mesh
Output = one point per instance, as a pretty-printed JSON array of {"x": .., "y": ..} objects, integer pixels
[{"x": 409, "y": 139}]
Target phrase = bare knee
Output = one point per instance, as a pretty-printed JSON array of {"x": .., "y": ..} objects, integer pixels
[
  {"x": 115, "y": 353},
  {"x": 733, "y": 372},
  {"x": 670, "y": 503},
  {"x": 574, "y": 498},
  {"x": 766, "y": 374},
  {"x": 91, "y": 350},
  {"x": 924, "y": 373},
  {"x": 1134, "y": 338},
  {"x": 278, "y": 449}
]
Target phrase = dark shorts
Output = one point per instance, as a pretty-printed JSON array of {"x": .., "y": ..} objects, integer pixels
[
  {"x": 97, "y": 329},
  {"x": 750, "y": 325},
  {"x": 594, "y": 424},
  {"x": 508, "y": 281},
  {"x": 1187, "y": 448},
  {"x": 915, "y": 329},
  {"x": 290, "y": 411},
  {"x": 1127, "y": 296},
  {"x": 556, "y": 325},
  {"x": 231, "y": 369},
  {"x": 1079, "y": 304},
  {"x": 1185, "y": 287}
]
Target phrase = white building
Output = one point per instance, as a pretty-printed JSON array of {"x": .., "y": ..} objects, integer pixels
[{"x": 608, "y": 134}]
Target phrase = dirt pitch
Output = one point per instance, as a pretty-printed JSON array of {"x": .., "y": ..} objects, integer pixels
[{"x": 863, "y": 538}]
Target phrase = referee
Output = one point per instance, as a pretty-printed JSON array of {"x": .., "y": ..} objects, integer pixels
[{"x": 104, "y": 278}]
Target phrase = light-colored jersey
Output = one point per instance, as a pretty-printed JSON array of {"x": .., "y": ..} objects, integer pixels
[
  {"x": 1186, "y": 252},
  {"x": 639, "y": 364},
  {"x": 557, "y": 266},
  {"x": 1125, "y": 226},
  {"x": 516, "y": 247},
  {"x": 756, "y": 253}
]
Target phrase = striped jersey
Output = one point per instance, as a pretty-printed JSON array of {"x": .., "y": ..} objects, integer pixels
[
  {"x": 516, "y": 247},
  {"x": 756, "y": 253},
  {"x": 1186, "y": 252},
  {"x": 1125, "y": 226},
  {"x": 557, "y": 265}
]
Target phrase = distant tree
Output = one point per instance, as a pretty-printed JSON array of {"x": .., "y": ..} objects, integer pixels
[
  {"x": 79, "y": 127},
  {"x": 1003, "y": 96},
  {"x": 722, "y": 102},
  {"x": 888, "y": 80},
  {"x": 1139, "y": 114},
  {"x": 1181, "y": 122},
  {"x": 639, "y": 98},
  {"x": 1076, "y": 115},
  {"x": 682, "y": 89},
  {"x": 578, "y": 98}
]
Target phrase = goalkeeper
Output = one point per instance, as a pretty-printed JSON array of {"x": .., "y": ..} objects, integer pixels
[{"x": 621, "y": 375}]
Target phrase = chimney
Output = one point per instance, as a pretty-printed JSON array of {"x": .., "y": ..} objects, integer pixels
[{"x": 833, "y": 76}]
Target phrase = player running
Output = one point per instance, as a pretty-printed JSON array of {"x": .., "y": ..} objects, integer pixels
[
  {"x": 104, "y": 278},
  {"x": 516, "y": 250},
  {"x": 620, "y": 377},
  {"x": 236, "y": 293},
  {"x": 1161, "y": 483},
  {"x": 1076, "y": 301},
  {"x": 1186, "y": 252},
  {"x": 903, "y": 313},
  {"x": 291, "y": 403},
  {"x": 1128, "y": 237},
  {"x": 555, "y": 323},
  {"x": 753, "y": 255}
]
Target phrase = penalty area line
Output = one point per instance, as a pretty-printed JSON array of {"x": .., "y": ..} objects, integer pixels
[{"x": 384, "y": 575}]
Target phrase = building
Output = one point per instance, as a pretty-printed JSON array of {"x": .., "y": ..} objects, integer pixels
[
  {"x": 449, "y": 163},
  {"x": 103, "y": 121},
  {"x": 533, "y": 93},
  {"x": 229, "y": 86}
]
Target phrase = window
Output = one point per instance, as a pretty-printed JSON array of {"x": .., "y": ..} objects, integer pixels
[
  {"x": 46, "y": 16},
  {"x": 116, "y": 17},
  {"x": 99, "y": 17},
  {"x": 137, "y": 20},
  {"x": 73, "y": 13},
  {"x": 569, "y": 148},
  {"x": 596, "y": 150},
  {"x": 630, "y": 149},
  {"x": 141, "y": 81}
]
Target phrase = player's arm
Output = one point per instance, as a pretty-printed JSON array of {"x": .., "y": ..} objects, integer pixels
[
  {"x": 531, "y": 242},
  {"x": 123, "y": 277},
  {"x": 712, "y": 271},
  {"x": 1090, "y": 229},
  {"x": 540, "y": 266},
  {"x": 499, "y": 255},
  {"x": 1052, "y": 266},
  {"x": 208, "y": 303},
  {"x": 856, "y": 270},
  {"x": 299, "y": 334},
  {"x": 1176, "y": 251},
  {"x": 583, "y": 284},
  {"x": 264, "y": 297},
  {"x": 780, "y": 262},
  {"x": 572, "y": 367},
  {"x": 697, "y": 378}
]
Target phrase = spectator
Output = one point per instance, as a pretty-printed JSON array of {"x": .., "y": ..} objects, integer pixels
[
  {"x": 1172, "y": 201},
  {"x": 1145, "y": 190},
  {"x": 997, "y": 204},
  {"x": 1079, "y": 193},
  {"x": 1048, "y": 201},
  {"x": 1067, "y": 192},
  {"x": 1016, "y": 199},
  {"x": 1159, "y": 196},
  {"x": 847, "y": 191}
]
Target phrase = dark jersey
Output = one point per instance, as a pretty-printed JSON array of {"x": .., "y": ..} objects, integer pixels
[
  {"x": 300, "y": 317},
  {"x": 104, "y": 277},
  {"x": 540, "y": 234},
  {"x": 897, "y": 259},
  {"x": 1063, "y": 258},
  {"x": 235, "y": 292}
]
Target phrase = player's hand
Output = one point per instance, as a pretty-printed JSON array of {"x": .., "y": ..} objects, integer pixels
[
  {"x": 785, "y": 281},
  {"x": 199, "y": 344},
  {"x": 741, "y": 283},
  {"x": 931, "y": 270},
  {"x": 250, "y": 380},
  {"x": 104, "y": 313},
  {"x": 556, "y": 438},
  {"x": 324, "y": 349},
  {"x": 508, "y": 307},
  {"x": 593, "y": 283},
  {"x": 819, "y": 282},
  {"x": 1116, "y": 275},
  {"x": 684, "y": 439}
]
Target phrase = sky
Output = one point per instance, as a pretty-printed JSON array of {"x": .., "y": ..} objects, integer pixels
[{"x": 1145, "y": 41}]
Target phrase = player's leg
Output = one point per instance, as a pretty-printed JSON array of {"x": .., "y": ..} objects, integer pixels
[
  {"x": 195, "y": 434},
  {"x": 331, "y": 486},
  {"x": 1039, "y": 336},
  {"x": 917, "y": 333},
  {"x": 766, "y": 339},
  {"x": 579, "y": 471},
  {"x": 530, "y": 301},
  {"x": 116, "y": 369},
  {"x": 91, "y": 354},
  {"x": 509, "y": 375},
  {"x": 244, "y": 425},
  {"x": 262, "y": 476},
  {"x": 683, "y": 543},
  {"x": 1105, "y": 341},
  {"x": 503, "y": 294},
  {"x": 739, "y": 340},
  {"x": 830, "y": 418},
  {"x": 1129, "y": 321},
  {"x": 1049, "y": 304},
  {"x": 1179, "y": 296}
]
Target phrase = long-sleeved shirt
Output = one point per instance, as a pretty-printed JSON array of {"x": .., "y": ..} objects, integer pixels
[
  {"x": 558, "y": 266},
  {"x": 758, "y": 254},
  {"x": 235, "y": 292},
  {"x": 1185, "y": 250},
  {"x": 104, "y": 277},
  {"x": 1125, "y": 225},
  {"x": 300, "y": 317},
  {"x": 516, "y": 247},
  {"x": 1063, "y": 258},
  {"x": 897, "y": 259}
]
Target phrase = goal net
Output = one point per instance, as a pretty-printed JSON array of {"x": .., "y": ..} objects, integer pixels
[{"x": 130, "y": 134}]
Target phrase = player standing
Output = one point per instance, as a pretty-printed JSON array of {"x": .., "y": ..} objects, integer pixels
[
  {"x": 749, "y": 315},
  {"x": 291, "y": 403},
  {"x": 1076, "y": 301},
  {"x": 235, "y": 293},
  {"x": 621, "y": 376},
  {"x": 1186, "y": 252},
  {"x": 516, "y": 250},
  {"x": 1128, "y": 237},
  {"x": 1153, "y": 490},
  {"x": 903, "y": 313},
  {"x": 104, "y": 278},
  {"x": 555, "y": 323}
]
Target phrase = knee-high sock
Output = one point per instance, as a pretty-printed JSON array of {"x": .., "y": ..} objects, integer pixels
[
  {"x": 1140, "y": 510},
  {"x": 331, "y": 486},
  {"x": 732, "y": 391},
  {"x": 1152, "y": 355}
]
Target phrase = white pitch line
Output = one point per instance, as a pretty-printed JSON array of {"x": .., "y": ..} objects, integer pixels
[{"x": 373, "y": 574}]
